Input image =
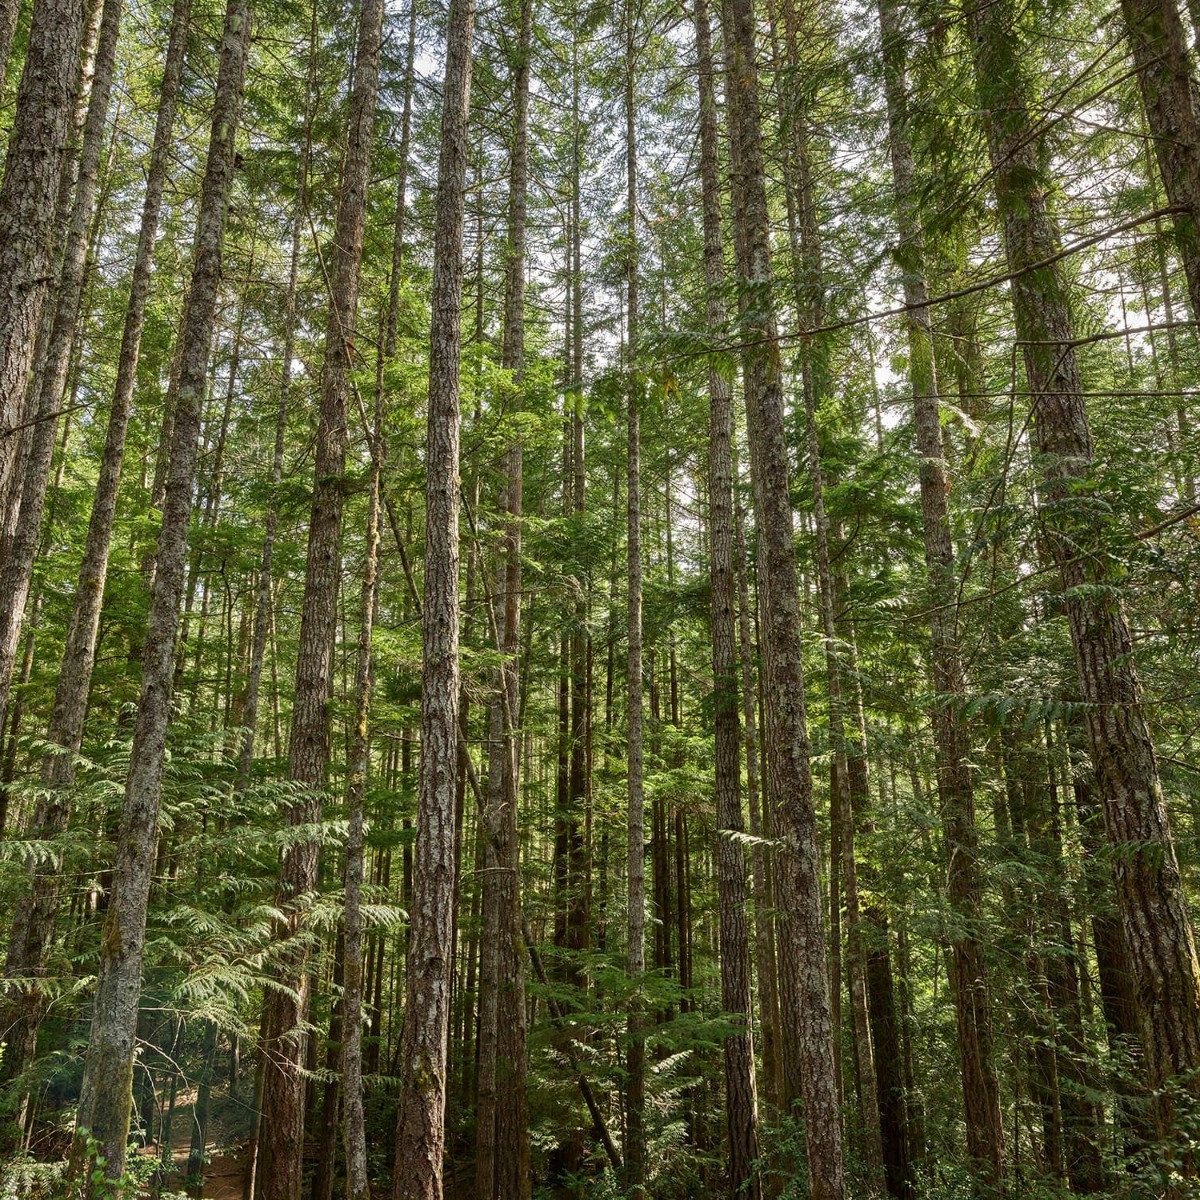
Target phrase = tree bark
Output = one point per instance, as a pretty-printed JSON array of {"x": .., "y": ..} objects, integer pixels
[
  {"x": 1150, "y": 894},
  {"x": 741, "y": 1099},
  {"x": 357, "y": 1183},
  {"x": 810, "y": 306},
  {"x": 282, "y": 1131},
  {"x": 505, "y": 1167},
  {"x": 764, "y": 932},
  {"x": 33, "y": 921},
  {"x": 1160, "y": 56},
  {"x": 635, "y": 1055},
  {"x": 108, "y": 1071},
  {"x": 981, "y": 1096},
  {"x": 804, "y": 977},
  {"x": 49, "y": 385},
  {"x": 10, "y": 14},
  {"x": 420, "y": 1122},
  {"x": 33, "y": 171}
]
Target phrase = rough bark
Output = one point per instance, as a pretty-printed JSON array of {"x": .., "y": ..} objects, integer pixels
[
  {"x": 505, "y": 1168},
  {"x": 10, "y": 14},
  {"x": 889, "y": 1059},
  {"x": 578, "y": 932},
  {"x": 420, "y": 1122},
  {"x": 282, "y": 1132},
  {"x": 33, "y": 170},
  {"x": 33, "y": 922},
  {"x": 106, "y": 1094},
  {"x": 981, "y": 1099},
  {"x": 1172, "y": 107},
  {"x": 804, "y": 983},
  {"x": 61, "y": 322},
  {"x": 357, "y": 1183},
  {"x": 810, "y": 303},
  {"x": 764, "y": 932},
  {"x": 1150, "y": 895},
  {"x": 635, "y": 832},
  {"x": 741, "y": 1100}
]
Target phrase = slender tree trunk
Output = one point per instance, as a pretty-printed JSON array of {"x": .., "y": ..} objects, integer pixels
[
  {"x": 804, "y": 979},
  {"x": 198, "y": 1150},
  {"x": 19, "y": 442},
  {"x": 1150, "y": 894},
  {"x": 33, "y": 921},
  {"x": 420, "y": 1122},
  {"x": 981, "y": 1098},
  {"x": 1118, "y": 990},
  {"x": 33, "y": 171},
  {"x": 108, "y": 1071},
  {"x": 578, "y": 932},
  {"x": 814, "y": 370},
  {"x": 507, "y": 1141},
  {"x": 741, "y": 1100},
  {"x": 1160, "y": 54},
  {"x": 635, "y": 1057},
  {"x": 876, "y": 944},
  {"x": 49, "y": 387},
  {"x": 357, "y": 1183},
  {"x": 889, "y": 1077},
  {"x": 262, "y": 602},
  {"x": 282, "y": 1132},
  {"x": 10, "y": 14},
  {"x": 764, "y": 933}
]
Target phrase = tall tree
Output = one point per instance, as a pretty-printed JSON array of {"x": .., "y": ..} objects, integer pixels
[
  {"x": 357, "y": 1181},
  {"x": 741, "y": 1099},
  {"x": 804, "y": 982},
  {"x": 1158, "y": 926},
  {"x": 282, "y": 1132},
  {"x": 33, "y": 921},
  {"x": 108, "y": 1071},
  {"x": 60, "y": 326},
  {"x": 502, "y": 1149},
  {"x": 420, "y": 1120},
  {"x": 981, "y": 1098},
  {"x": 635, "y": 1054},
  {"x": 33, "y": 170}
]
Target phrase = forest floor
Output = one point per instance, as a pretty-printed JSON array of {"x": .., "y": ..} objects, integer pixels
[{"x": 225, "y": 1172}]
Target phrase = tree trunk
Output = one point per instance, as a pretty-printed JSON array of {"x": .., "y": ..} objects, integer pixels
[
  {"x": 981, "y": 1097},
  {"x": 420, "y": 1122},
  {"x": 635, "y": 1060},
  {"x": 10, "y": 14},
  {"x": 889, "y": 1076},
  {"x": 505, "y": 1167},
  {"x": 357, "y": 1183},
  {"x": 810, "y": 306},
  {"x": 106, "y": 1094},
  {"x": 578, "y": 932},
  {"x": 33, "y": 921},
  {"x": 764, "y": 933},
  {"x": 33, "y": 171},
  {"x": 49, "y": 387},
  {"x": 1160, "y": 55},
  {"x": 741, "y": 1100},
  {"x": 1150, "y": 894},
  {"x": 804, "y": 978},
  {"x": 282, "y": 1132}
]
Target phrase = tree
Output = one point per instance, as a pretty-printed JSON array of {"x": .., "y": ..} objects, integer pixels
[
  {"x": 108, "y": 1072},
  {"x": 1158, "y": 927},
  {"x": 804, "y": 985},
  {"x": 420, "y": 1121},
  {"x": 33, "y": 170},
  {"x": 981, "y": 1101}
]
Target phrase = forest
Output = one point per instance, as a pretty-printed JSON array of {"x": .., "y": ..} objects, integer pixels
[{"x": 599, "y": 599}]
